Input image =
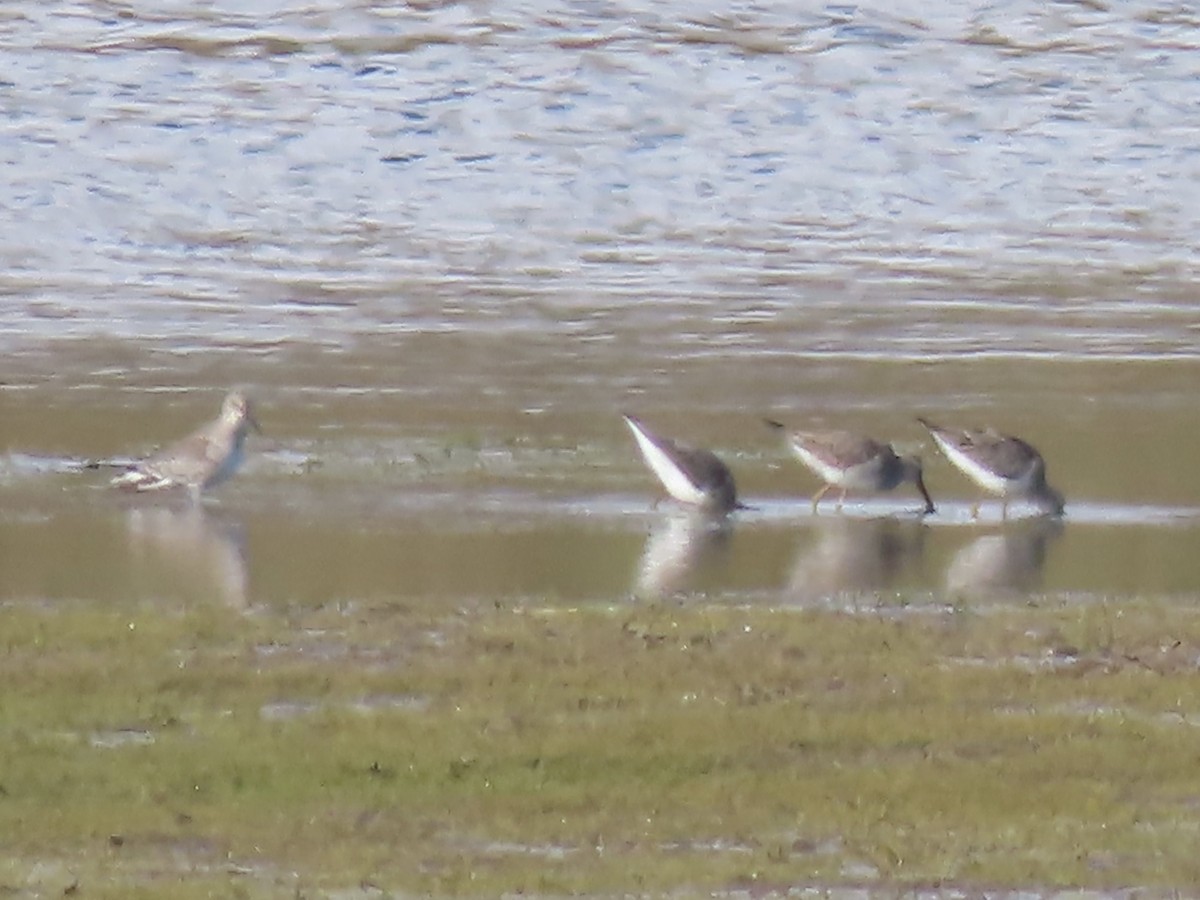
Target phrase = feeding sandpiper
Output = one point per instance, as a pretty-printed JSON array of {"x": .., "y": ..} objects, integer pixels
[
  {"x": 1004, "y": 465},
  {"x": 690, "y": 475},
  {"x": 849, "y": 461},
  {"x": 203, "y": 459}
]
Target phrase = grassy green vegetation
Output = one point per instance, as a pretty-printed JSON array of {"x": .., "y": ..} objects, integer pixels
[{"x": 375, "y": 748}]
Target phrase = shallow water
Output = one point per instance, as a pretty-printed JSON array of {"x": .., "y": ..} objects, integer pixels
[
  {"x": 443, "y": 247},
  {"x": 276, "y": 542}
]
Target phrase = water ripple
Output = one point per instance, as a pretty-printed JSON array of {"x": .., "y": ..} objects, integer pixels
[{"x": 1003, "y": 180}]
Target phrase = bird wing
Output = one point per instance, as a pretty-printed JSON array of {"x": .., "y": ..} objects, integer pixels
[
  {"x": 1007, "y": 456},
  {"x": 182, "y": 461},
  {"x": 1011, "y": 457},
  {"x": 840, "y": 449}
]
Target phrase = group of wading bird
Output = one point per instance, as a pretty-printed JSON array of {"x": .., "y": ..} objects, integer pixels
[{"x": 1000, "y": 464}]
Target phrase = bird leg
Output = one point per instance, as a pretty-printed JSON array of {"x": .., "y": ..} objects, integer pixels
[{"x": 818, "y": 495}]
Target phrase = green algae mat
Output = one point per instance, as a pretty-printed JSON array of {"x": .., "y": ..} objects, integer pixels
[{"x": 376, "y": 749}]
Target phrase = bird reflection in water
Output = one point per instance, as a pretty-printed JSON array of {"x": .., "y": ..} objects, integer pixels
[
  {"x": 679, "y": 547},
  {"x": 1008, "y": 561},
  {"x": 854, "y": 556},
  {"x": 198, "y": 554}
]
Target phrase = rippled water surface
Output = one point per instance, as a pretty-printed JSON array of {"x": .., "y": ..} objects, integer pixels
[{"x": 444, "y": 245}]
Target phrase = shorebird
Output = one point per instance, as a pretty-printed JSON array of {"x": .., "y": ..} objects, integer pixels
[
  {"x": 200, "y": 461},
  {"x": 690, "y": 475},
  {"x": 1003, "y": 465},
  {"x": 849, "y": 461}
]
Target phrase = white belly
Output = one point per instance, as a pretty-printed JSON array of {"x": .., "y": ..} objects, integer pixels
[{"x": 678, "y": 485}]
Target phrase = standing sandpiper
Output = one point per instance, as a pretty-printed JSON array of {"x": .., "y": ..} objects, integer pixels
[
  {"x": 203, "y": 459},
  {"x": 1003, "y": 465},
  {"x": 690, "y": 475},
  {"x": 850, "y": 461}
]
